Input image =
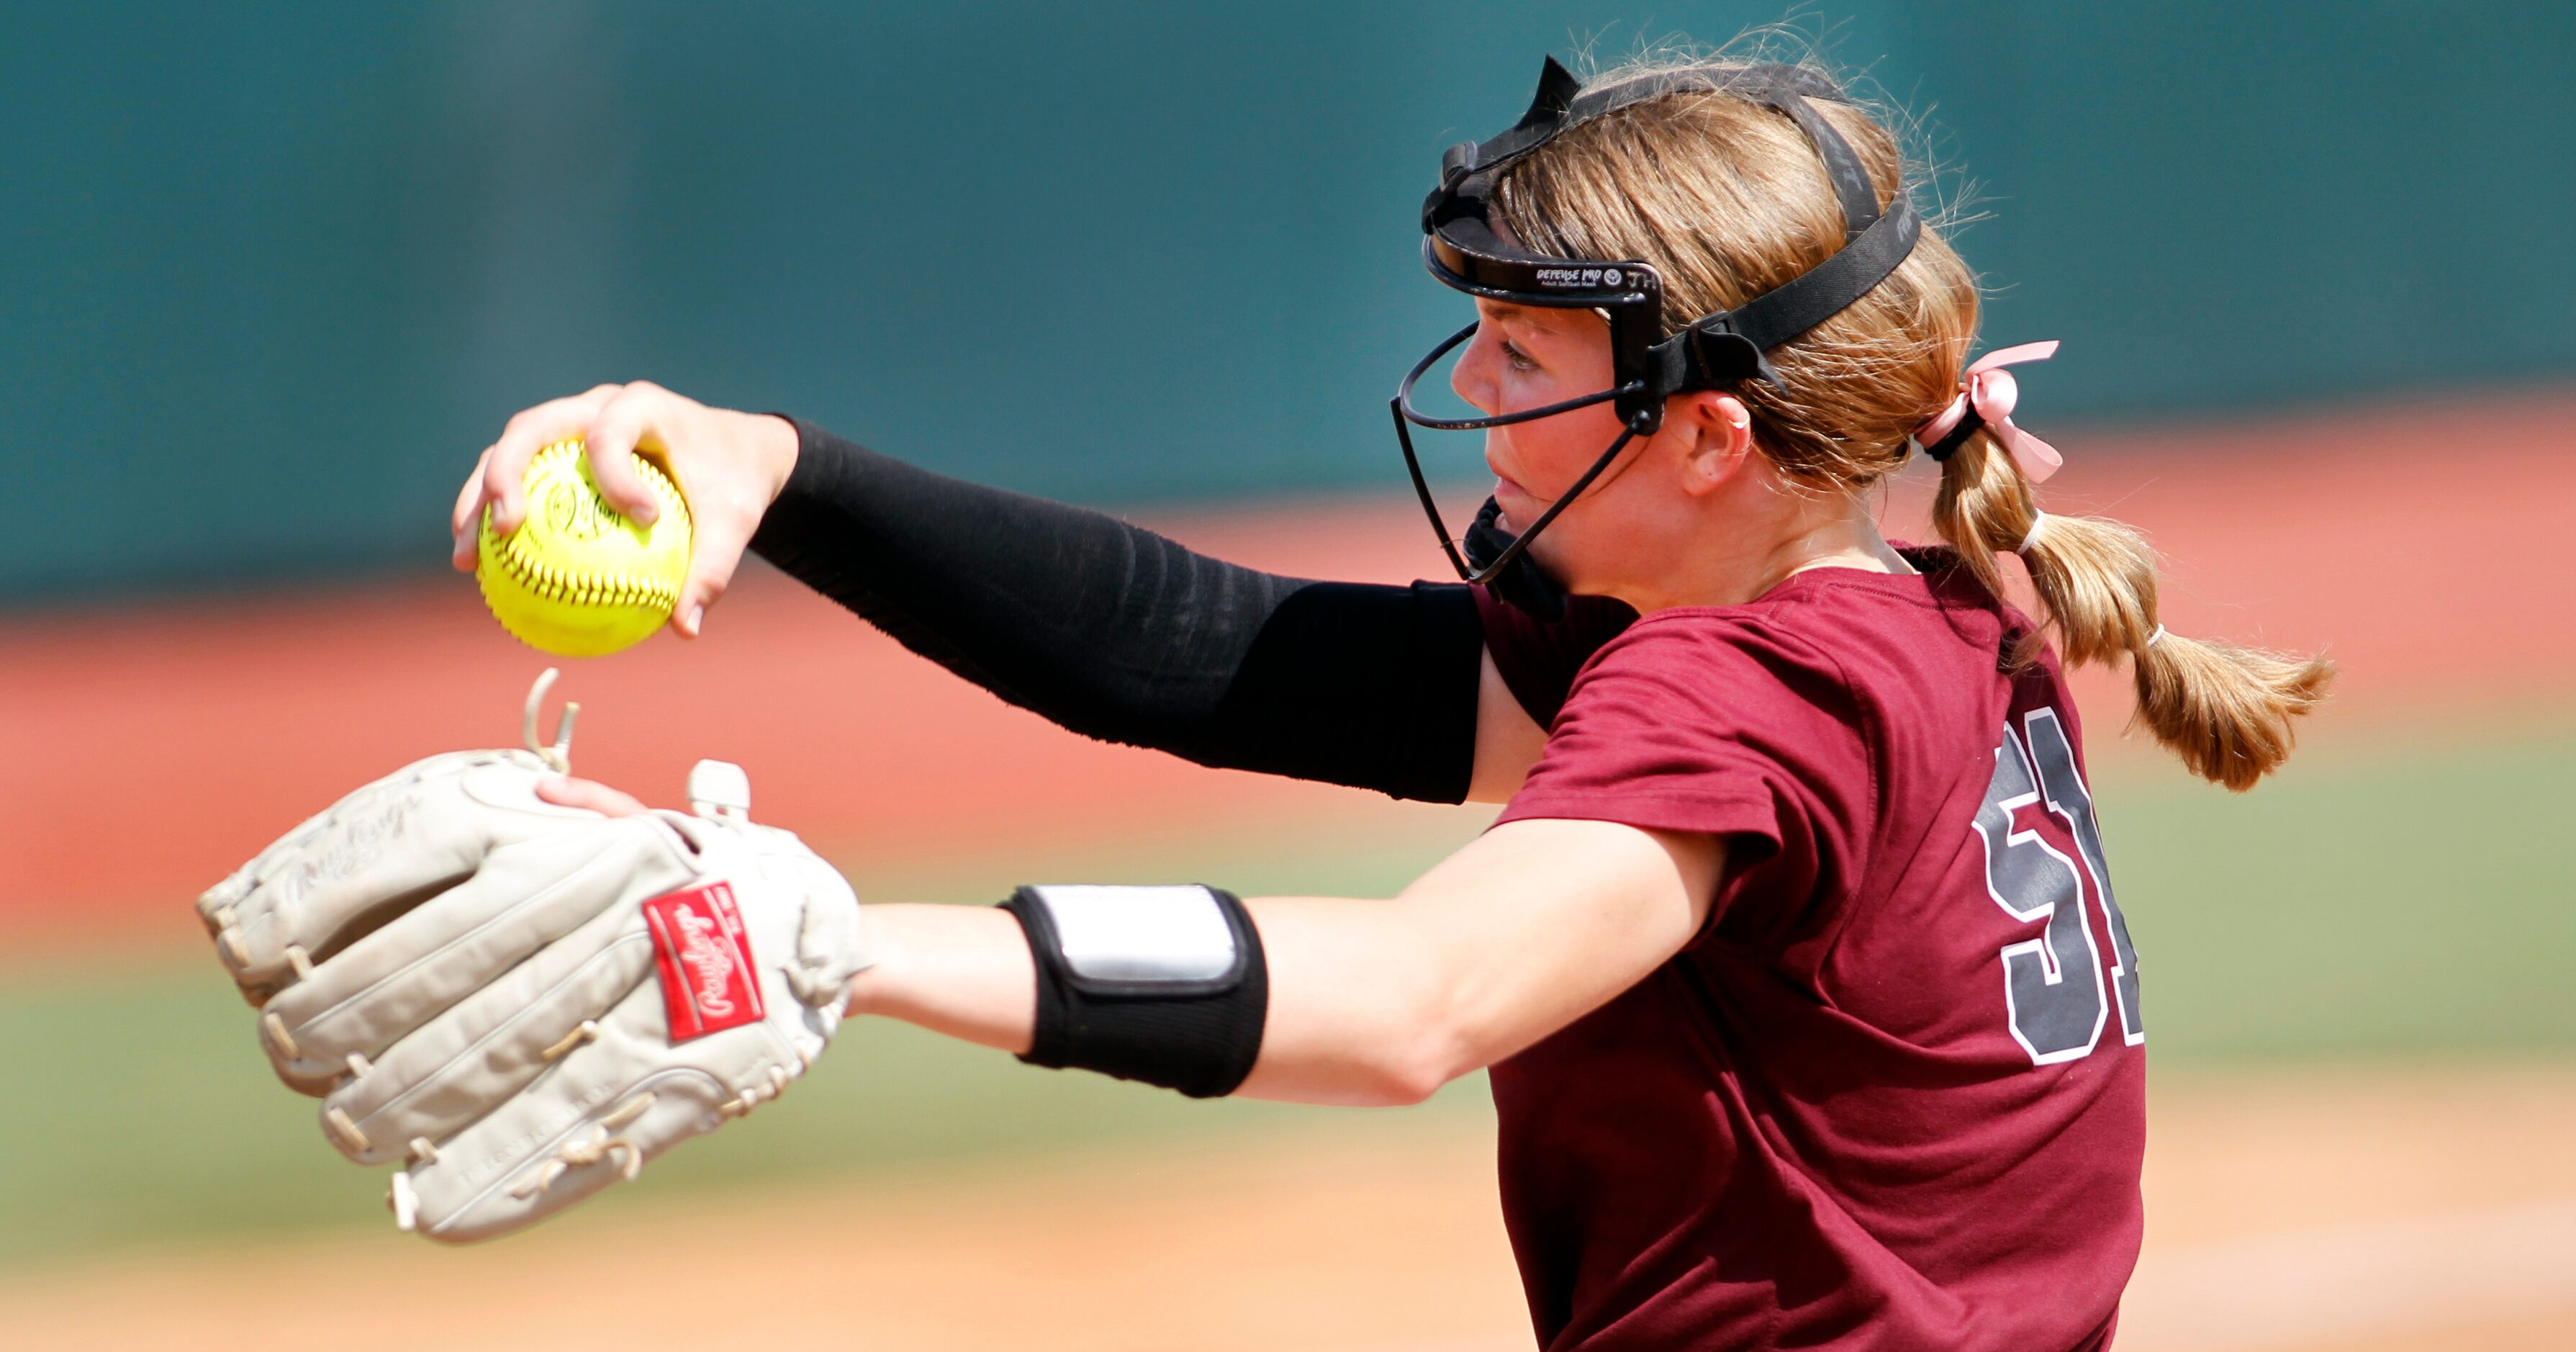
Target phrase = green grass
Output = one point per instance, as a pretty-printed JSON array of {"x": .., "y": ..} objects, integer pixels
[
  {"x": 2392, "y": 904},
  {"x": 2406, "y": 902}
]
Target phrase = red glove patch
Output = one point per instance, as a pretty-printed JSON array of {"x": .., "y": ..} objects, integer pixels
[{"x": 704, "y": 957}]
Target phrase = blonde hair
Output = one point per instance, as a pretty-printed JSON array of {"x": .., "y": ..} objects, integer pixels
[{"x": 1729, "y": 199}]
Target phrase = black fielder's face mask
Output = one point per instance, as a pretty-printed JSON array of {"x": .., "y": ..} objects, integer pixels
[{"x": 1462, "y": 249}]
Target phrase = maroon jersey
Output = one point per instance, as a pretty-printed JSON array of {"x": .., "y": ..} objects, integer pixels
[{"x": 1893, "y": 1096}]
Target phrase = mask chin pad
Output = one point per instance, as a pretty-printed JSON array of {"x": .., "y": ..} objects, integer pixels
[{"x": 1524, "y": 584}]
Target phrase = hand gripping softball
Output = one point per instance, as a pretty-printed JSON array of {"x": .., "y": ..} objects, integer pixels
[{"x": 523, "y": 1002}]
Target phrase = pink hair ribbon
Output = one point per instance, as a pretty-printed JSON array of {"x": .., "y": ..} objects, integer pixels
[{"x": 1988, "y": 392}]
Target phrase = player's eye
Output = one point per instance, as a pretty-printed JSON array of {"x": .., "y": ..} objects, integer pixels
[{"x": 1520, "y": 360}]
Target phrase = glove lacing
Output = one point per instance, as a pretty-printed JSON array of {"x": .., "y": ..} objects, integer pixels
[{"x": 600, "y": 1143}]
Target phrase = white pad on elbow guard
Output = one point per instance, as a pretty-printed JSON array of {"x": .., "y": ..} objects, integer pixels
[{"x": 1143, "y": 936}]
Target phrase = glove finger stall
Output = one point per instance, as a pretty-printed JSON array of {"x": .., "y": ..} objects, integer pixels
[
  {"x": 526, "y": 896},
  {"x": 594, "y": 1119},
  {"x": 371, "y": 858},
  {"x": 239, "y": 912},
  {"x": 237, "y": 885},
  {"x": 490, "y": 1045}
]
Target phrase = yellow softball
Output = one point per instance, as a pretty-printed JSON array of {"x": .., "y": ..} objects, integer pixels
[{"x": 578, "y": 579}]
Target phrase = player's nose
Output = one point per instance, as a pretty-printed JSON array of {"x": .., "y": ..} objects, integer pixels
[{"x": 1473, "y": 377}]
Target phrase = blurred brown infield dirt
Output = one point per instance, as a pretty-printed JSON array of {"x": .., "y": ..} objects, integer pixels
[
  {"x": 161, "y": 744},
  {"x": 2290, "y": 1211}
]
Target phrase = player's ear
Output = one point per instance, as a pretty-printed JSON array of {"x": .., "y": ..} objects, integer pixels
[{"x": 1719, "y": 437}]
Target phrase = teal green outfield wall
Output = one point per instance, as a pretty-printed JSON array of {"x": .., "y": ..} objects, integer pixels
[{"x": 271, "y": 275}]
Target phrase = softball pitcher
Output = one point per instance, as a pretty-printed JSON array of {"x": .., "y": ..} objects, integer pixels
[{"x": 1794, "y": 956}]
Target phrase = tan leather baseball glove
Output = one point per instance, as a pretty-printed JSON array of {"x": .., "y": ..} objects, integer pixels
[{"x": 523, "y": 1002}]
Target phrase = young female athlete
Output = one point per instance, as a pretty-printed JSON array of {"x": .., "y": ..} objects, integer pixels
[{"x": 1810, "y": 1015}]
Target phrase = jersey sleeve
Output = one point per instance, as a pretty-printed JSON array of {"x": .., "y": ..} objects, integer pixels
[
  {"x": 1713, "y": 726},
  {"x": 1539, "y": 658}
]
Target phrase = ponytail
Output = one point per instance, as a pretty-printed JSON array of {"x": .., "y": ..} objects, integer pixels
[{"x": 2223, "y": 709}]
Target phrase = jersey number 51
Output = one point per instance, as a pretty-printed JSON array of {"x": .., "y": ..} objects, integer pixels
[{"x": 2053, "y": 988}]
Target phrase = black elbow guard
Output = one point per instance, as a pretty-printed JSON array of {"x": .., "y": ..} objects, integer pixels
[
  {"x": 1160, "y": 984},
  {"x": 1362, "y": 684}
]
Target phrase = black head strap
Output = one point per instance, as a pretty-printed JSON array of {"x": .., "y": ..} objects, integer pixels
[
  {"x": 1728, "y": 346},
  {"x": 1715, "y": 350},
  {"x": 1556, "y": 107},
  {"x": 1546, "y": 117}
]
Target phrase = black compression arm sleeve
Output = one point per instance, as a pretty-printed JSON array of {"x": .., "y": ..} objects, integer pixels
[{"x": 1118, "y": 633}]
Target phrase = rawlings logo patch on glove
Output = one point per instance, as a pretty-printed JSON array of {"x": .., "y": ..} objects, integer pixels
[
  {"x": 704, "y": 960},
  {"x": 524, "y": 1002}
]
